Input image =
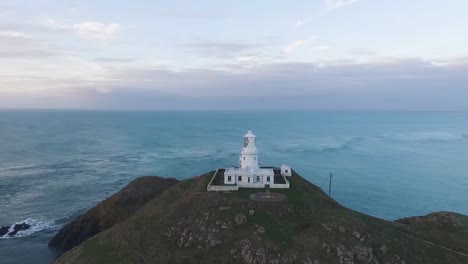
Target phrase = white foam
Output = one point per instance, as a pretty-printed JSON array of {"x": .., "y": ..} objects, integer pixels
[
  {"x": 430, "y": 136},
  {"x": 36, "y": 225}
]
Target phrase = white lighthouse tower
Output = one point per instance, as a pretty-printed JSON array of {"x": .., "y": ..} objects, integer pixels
[
  {"x": 249, "y": 155},
  {"x": 249, "y": 174}
]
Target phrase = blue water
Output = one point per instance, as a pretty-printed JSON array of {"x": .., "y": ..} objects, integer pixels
[{"x": 56, "y": 164}]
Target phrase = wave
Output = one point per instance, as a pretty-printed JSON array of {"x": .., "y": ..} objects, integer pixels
[
  {"x": 36, "y": 225},
  {"x": 317, "y": 145},
  {"x": 430, "y": 136}
]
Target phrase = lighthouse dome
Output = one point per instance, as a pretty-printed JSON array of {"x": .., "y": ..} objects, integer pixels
[{"x": 249, "y": 134}]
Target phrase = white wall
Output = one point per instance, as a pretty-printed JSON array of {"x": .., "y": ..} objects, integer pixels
[{"x": 212, "y": 188}]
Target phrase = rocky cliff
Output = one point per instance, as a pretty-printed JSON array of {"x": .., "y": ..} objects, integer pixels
[
  {"x": 186, "y": 224},
  {"x": 110, "y": 212}
]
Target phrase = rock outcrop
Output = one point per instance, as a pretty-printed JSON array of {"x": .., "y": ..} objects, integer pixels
[
  {"x": 448, "y": 219},
  {"x": 4, "y": 230},
  {"x": 111, "y": 211},
  {"x": 16, "y": 228},
  {"x": 442, "y": 228}
]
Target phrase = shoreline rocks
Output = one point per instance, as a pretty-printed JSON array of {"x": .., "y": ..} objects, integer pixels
[{"x": 4, "y": 230}]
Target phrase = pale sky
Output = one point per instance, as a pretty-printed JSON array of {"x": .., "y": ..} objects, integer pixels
[{"x": 248, "y": 55}]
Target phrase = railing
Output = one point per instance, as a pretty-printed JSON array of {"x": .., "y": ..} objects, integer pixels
[{"x": 235, "y": 187}]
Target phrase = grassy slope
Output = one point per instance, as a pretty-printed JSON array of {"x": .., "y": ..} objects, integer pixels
[
  {"x": 111, "y": 211},
  {"x": 186, "y": 224},
  {"x": 444, "y": 228}
]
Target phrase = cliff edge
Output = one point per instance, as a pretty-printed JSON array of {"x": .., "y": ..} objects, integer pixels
[{"x": 111, "y": 211}]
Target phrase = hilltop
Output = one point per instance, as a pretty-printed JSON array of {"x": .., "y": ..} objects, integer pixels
[{"x": 186, "y": 224}]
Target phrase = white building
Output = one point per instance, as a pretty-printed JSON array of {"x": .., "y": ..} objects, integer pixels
[{"x": 249, "y": 174}]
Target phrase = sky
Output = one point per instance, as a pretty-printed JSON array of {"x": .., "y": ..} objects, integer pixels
[{"x": 234, "y": 55}]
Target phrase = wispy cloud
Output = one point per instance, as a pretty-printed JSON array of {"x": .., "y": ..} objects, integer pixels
[
  {"x": 19, "y": 45},
  {"x": 94, "y": 30},
  {"x": 114, "y": 60},
  {"x": 332, "y": 4},
  {"x": 299, "y": 23},
  {"x": 294, "y": 45},
  {"x": 392, "y": 84},
  {"x": 227, "y": 49},
  {"x": 320, "y": 48},
  {"x": 13, "y": 34}
]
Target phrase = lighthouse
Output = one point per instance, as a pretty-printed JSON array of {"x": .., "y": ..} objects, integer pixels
[
  {"x": 249, "y": 154},
  {"x": 249, "y": 174}
]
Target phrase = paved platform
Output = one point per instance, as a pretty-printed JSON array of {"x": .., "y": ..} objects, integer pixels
[{"x": 270, "y": 197}]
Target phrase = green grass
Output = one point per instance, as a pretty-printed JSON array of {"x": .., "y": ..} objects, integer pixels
[
  {"x": 100, "y": 253},
  {"x": 275, "y": 230},
  {"x": 185, "y": 184}
]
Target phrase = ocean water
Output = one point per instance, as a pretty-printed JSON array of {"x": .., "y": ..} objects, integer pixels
[{"x": 55, "y": 165}]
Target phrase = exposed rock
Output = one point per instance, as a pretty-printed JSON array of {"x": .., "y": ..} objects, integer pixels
[
  {"x": 261, "y": 230},
  {"x": 342, "y": 229},
  {"x": 327, "y": 227},
  {"x": 240, "y": 219},
  {"x": 365, "y": 255},
  {"x": 245, "y": 252},
  {"x": 16, "y": 228},
  {"x": 260, "y": 256},
  {"x": 384, "y": 249},
  {"x": 437, "y": 218},
  {"x": 4, "y": 230},
  {"x": 356, "y": 234},
  {"x": 350, "y": 256},
  {"x": 111, "y": 211},
  {"x": 19, "y": 227}
]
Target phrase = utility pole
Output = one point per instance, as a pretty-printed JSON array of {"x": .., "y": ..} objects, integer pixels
[{"x": 329, "y": 187}]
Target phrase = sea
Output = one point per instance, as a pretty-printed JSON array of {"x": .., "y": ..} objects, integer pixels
[{"x": 54, "y": 165}]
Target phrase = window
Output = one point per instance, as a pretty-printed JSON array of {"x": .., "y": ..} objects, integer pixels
[
  {"x": 229, "y": 178},
  {"x": 255, "y": 158},
  {"x": 286, "y": 171},
  {"x": 258, "y": 178},
  {"x": 244, "y": 158},
  {"x": 239, "y": 178},
  {"x": 268, "y": 178}
]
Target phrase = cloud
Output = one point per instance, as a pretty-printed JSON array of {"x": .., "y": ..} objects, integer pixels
[
  {"x": 294, "y": 45},
  {"x": 299, "y": 23},
  {"x": 220, "y": 49},
  {"x": 390, "y": 84},
  {"x": 451, "y": 60},
  {"x": 362, "y": 52},
  {"x": 114, "y": 60},
  {"x": 320, "y": 48},
  {"x": 93, "y": 30},
  {"x": 19, "y": 45},
  {"x": 26, "y": 54},
  {"x": 332, "y": 4},
  {"x": 13, "y": 34},
  {"x": 96, "y": 30}
]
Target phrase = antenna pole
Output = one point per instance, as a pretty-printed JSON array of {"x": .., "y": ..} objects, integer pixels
[{"x": 329, "y": 187}]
